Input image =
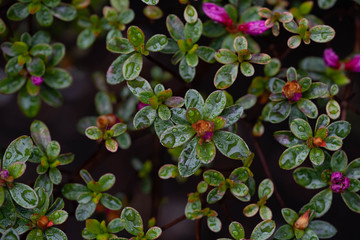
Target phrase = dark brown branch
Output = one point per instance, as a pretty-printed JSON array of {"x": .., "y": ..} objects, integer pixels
[
  {"x": 198, "y": 228},
  {"x": 174, "y": 222},
  {"x": 266, "y": 169},
  {"x": 226, "y": 210}
]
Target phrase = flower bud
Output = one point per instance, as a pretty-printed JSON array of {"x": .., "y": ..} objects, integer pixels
[
  {"x": 37, "y": 80},
  {"x": 204, "y": 129},
  {"x": 44, "y": 223},
  {"x": 303, "y": 221},
  {"x": 318, "y": 142},
  {"x": 217, "y": 14},
  {"x": 292, "y": 91}
]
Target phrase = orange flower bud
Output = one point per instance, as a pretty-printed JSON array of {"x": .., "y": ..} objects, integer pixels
[
  {"x": 204, "y": 129},
  {"x": 317, "y": 142},
  {"x": 292, "y": 91},
  {"x": 43, "y": 222},
  {"x": 303, "y": 221}
]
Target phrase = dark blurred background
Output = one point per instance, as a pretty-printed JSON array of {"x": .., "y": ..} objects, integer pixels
[{"x": 169, "y": 196}]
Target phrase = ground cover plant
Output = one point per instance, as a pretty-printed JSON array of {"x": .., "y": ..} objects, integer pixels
[{"x": 179, "y": 119}]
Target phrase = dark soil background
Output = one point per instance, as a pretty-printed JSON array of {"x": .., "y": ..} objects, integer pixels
[{"x": 169, "y": 197}]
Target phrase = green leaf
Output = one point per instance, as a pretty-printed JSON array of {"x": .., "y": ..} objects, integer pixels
[
  {"x": 17, "y": 12},
  {"x": 333, "y": 143},
  {"x": 263, "y": 230},
  {"x": 316, "y": 90},
  {"x": 51, "y": 96},
  {"x": 293, "y": 156},
  {"x": 55, "y": 234},
  {"x": 265, "y": 213},
  {"x": 260, "y": 58},
  {"x": 231, "y": 145},
  {"x": 12, "y": 67},
  {"x": 55, "y": 175},
  {"x": 44, "y": 16},
  {"x": 106, "y": 182},
  {"x": 301, "y": 129},
  {"x": 120, "y": 45},
  {"x": 114, "y": 74},
  {"x": 266, "y": 188},
  {"x": 164, "y": 112},
  {"x": 207, "y": 54},
  {"x": 339, "y": 161},
  {"x": 214, "y": 104},
  {"x": 251, "y": 210},
  {"x": 333, "y": 109},
  {"x": 308, "y": 108},
  {"x": 240, "y": 43},
  {"x": 36, "y": 67},
  {"x": 132, "y": 221},
  {"x": 317, "y": 156},
  {"x": 353, "y": 169},
  {"x": 322, "y": 33},
  {"x": 193, "y": 31},
  {"x": 53, "y": 150},
  {"x": 189, "y": 162},
  {"x": 272, "y": 68},
  {"x": 168, "y": 171},
  {"x": 153, "y": 233},
  {"x": 24, "y": 195},
  {"x": 115, "y": 225},
  {"x": 103, "y": 103},
  {"x": 17, "y": 169},
  {"x": 247, "y": 69},
  {"x": 213, "y": 178},
  {"x": 132, "y": 66},
  {"x": 57, "y": 78},
  {"x": 186, "y": 71},
  {"x": 86, "y": 38},
  {"x": 287, "y": 139},
  {"x": 279, "y": 112},
  {"x": 239, "y": 190},
  {"x": 226, "y": 76},
  {"x": 19, "y": 150},
  {"x": 322, "y": 202},
  {"x": 151, "y": 2},
  {"x": 285, "y": 232},
  {"x": 10, "y": 234},
  {"x": 176, "y": 136},
  {"x": 72, "y": 191},
  {"x": 11, "y": 84},
  {"x": 156, "y": 43},
  {"x": 110, "y": 202},
  {"x": 136, "y": 36},
  {"x": 214, "y": 224},
  {"x": 339, "y": 129},
  {"x": 144, "y": 118},
  {"x": 305, "y": 83},
  {"x": 322, "y": 121},
  {"x": 232, "y": 114},
  {"x": 225, "y": 56},
  {"x": 65, "y": 12},
  {"x": 41, "y": 49},
  {"x": 84, "y": 211},
  {"x": 309, "y": 235},
  {"x": 139, "y": 85},
  {"x": 58, "y": 217},
  {"x": 193, "y": 115},
  {"x": 294, "y": 41},
  {"x": 352, "y": 200},
  {"x": 7, "y": 212},
  {"x": 214, "y": 196},
  {"x": 94, "y": 133},
  {"x": 322, "y": 229},
  {"x": 236, "y": 230}
]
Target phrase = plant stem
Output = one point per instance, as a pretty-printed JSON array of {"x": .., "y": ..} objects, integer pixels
[
  {"x": 198, "y": 228},
  {"x": 173, "y": 223},
  {"x": 226, "y": 210},
  {"x": 266, "y": 169}
]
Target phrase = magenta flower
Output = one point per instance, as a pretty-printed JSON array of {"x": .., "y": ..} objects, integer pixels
[
  {"x": 36, "y": 80},
  {"x": 331, "y": 59},
  {"x": 217, "y": 14},
  {"x": 339, "y": 183},
  {"x": 253, "y": 28},
  {"x": 208, "y": 135},
  {"x": 4, "y": 174},
  {"x": 354, "y": 64},
  {"x": 141, "y": 105}
]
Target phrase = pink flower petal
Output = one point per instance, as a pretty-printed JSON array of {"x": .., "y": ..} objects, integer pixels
[
  {"x": 354, "y": 64},
  {"x": 331, "y": 59},
  {"x": 217, "y": 14},
  {"x": 36, "y": 80},
  {"x": 253, "y": 28}
]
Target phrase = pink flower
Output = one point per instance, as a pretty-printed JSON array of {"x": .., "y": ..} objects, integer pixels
[
  {"x": 208, "y": 135},
  {"x": 217, "y": 14},
  {"x": 36, "y": 80},
  {"x": 141, "y": 105},
  {"x": 354, "y": 64},
  {"x": 4, "y": 174},
  {"x": 331, "y": 59},
  {"x": 339, "y": 183},
  {"x": 253, "y": 28}
]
